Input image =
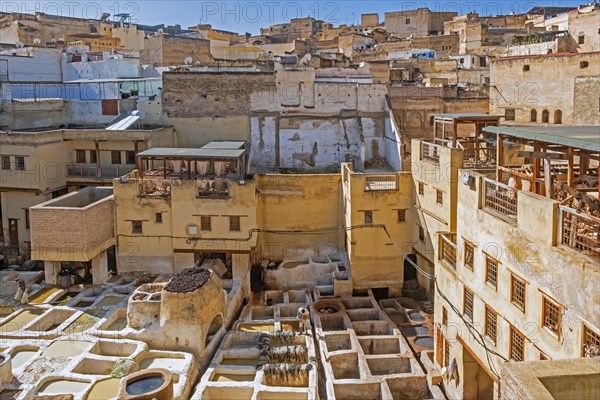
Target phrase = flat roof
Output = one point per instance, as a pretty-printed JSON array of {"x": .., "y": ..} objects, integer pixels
[
  {"x": 180, "y": 153},
  {"x": 466, "y": 116},
  {"x": 225, "y": 144},
  {"x": 581, "y": 137}
]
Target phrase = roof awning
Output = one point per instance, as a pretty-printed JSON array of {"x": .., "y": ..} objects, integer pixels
[{"x": 580, "y": 137}]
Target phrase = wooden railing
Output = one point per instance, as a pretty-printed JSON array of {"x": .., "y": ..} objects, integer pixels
[
  {"x": 580, "y": 232},
  {"x": 448, "y": 248},
  {"x": 380, "y": 182},
  {"x": 500, "y": 199},
  {"x": 77, "y": 170},
  {"x": 430, "y": 151}
]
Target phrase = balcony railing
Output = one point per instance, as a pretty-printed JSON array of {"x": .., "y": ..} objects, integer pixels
[
  {"x": 448, "y": 248},
  {"x": 380, "y": 182},
  {"x": 213, "y": 188},
  {"x": 76, "y": 170},
  {"x": 580, "y": 232},
  {"x": 500, "y": 199},
  {"x": 155, "y": 187},
  {"x": 430, "y": 151}
]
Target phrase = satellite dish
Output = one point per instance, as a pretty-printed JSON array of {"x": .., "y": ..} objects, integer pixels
[
  {"x": 19, "y": 45},
  {"x": 188, "y": 61},
  {"x": 160, "y": 30},
  {"x": 468, "y": 179},
  {"x": 37, "y": 41}
]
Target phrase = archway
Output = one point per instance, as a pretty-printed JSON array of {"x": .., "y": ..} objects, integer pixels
[
  {"x": 213, "y": 329},
  {"x": 558, "y": 117}
]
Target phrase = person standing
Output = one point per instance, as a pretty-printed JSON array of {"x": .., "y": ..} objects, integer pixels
[
  {"x": 22, "y": 294},
  {"x": 304, "y": 317}
]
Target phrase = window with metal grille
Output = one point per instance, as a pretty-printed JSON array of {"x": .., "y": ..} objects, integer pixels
[
  {"x": 439, "y": 197},
  {"x": 115, "y": 157},
  {"x": 446, "y": 352},
  {"x": 158, "y": 218},
  {"x": 468, "y": 300},
  {"x": 234, "y": 223},
  {"x": 368, "y": 217},
  {"x": 581, "y": 39},
  {"x": 591, "y": 343},
  {"x": 205, "y": 223},
  {"x": 421, "y": 234},
  {"x": 509, "y": 114},
  {"x": 20, "y": 161},
  {"x": 93, "y": 158},
  {"x": 469, "y": 255},
  {"x": 491, "y": 271},
  {"x": 551, "y": 313},
  {"x": 136, "y": 227},
  {"x": 517, "y": 345},
  {"x": 80, "y": 156},
  {"x": 6, "y": 163},
  {"x": 401, "y": 215},
  {"x": 130, "y": 157},
  {"x": 444, "y": 316},
  {"x": 517, "y": 292},
  {"x": 490, "y": 324},
  {"x": 421, "y": 188}
]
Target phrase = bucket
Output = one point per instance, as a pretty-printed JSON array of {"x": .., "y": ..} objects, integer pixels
[{"x": 64, "y": 281}]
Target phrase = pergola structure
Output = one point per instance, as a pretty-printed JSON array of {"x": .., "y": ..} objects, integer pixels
[
  {"x": 446, "y": 126},
  {"x": 567, "y": 154}
]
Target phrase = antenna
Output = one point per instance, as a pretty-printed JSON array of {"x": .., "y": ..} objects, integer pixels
[
  {"x": 160, "y": 30},
  {"x": 37, "y": 41},
  {"x": 19, "y": 45},
  {"x": 188, "y": 61}
]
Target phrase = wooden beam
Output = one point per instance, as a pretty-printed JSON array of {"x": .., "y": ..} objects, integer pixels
[
  {"x": 570, "y": 168},
  {"x": 499, "y": 156},
  {"x": 541, "y": 154},
  {"x": 98, "y": 167},
  {"x": 454, "y": 133},
  {"x": 536, "y": 167},
  {"x": 548, "y": 177}
]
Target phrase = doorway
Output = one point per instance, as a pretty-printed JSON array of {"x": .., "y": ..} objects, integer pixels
[
  {"x": 111, "y": 260},
  {"x": 410, "y": 272},
  {"x": 481, "y": 384},
  {"x": 13, "y": 232}
]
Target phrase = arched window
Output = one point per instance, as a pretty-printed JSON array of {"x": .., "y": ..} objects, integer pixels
[
  {"x": 533, "y": 117},
  {"x": 558, "y": 117},
  {"x": 545, "y": 117}
]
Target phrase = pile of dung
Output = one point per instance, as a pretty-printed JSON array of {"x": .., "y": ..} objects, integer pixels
[{"x": 188, "y": 280}]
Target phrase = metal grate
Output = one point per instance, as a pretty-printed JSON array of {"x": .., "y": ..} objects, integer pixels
[
  {"x": 490, "y": 324},
  {"x": 591, "y": 343},
  {"x": 580, "y": 232},
  {"x": 552, "y": 315},
  {"x": 517, "y": 345},
  {"x": 517, "y": 292},
  {"x": 234, "y": 223},
  {"x": 205, "y": 223},
  {"x": 468, "y": 303},
  {"x": 469, "y": 254},
  {"x": 491, "y": 271},
  {"x": 380, "y": 182},
  {"x": 500, "y": 199},
  {"x": 446, "y": 352},
  {"x": 136, "y": 227}
]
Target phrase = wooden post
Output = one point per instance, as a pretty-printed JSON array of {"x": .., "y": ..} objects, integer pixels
[
  {"x": 536, "y": 168},
  {"x": 189, "y": 168},
  {"x": 499, "y": 157},
  {"x": 435, "y": 123},
  {"x": 98, "y": 167},
  {"x": 454, "y": 133},
  {"x": 570, "y": 167},
  {"x": 548, "y": 177},
  {"x": 165, "y": 168}
]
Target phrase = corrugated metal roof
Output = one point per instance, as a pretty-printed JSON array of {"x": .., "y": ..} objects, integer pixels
[
  {"x": 202, "y": 153},
  {"x": 123, "y": 122},
  {"x": 466, "y": 116},
  {"x": 581, "y": 137},
  {"x": 225, "y": 144}
]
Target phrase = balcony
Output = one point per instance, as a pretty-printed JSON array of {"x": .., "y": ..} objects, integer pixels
[
  {"x": 380, "y": 183},
  {"x": 213, "y": 189},
  {"x": 580, "y": 232},
  {"x": 448, "y": 248},
  {"x": 500, "y": 199},
  {"x": 93, "y": 171},
  {"x": 430, "y": 151}
]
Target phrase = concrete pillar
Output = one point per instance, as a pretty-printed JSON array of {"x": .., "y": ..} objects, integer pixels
[
  {"x": 51, "y": 270},
  {"x": 100, "y": 269}
]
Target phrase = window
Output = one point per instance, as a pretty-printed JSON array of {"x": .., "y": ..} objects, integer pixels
[
  {"x": 421, "y": 188},
  {"x": 158, "y": 218},
  {"x": 421, "y": 234},
  {"x": 93, "y": 158},
  {"x": 591, "y": 343},
  {"x": 443, "y": 350},
  {"x": 469, "y": 255},
  {"x": 26, "y": 218},
  {"x": 234, "y": 223},
  {"x": 533, "y": 116},
  {"x": 136, "y": 227},
  {"x": 115, "y": 157},
  {"x": 517, "y": 292},
  {"x": 368, "y": 217},
  {"x": 491, "y": 271},
  {"x": 509, "y": 114},
  {"x": 526, "y": 68},
  {"x": 205, "y": 223},
  {"x": 551, "y": 316},
  {"x": 130, "y": 157},
  {"x": 490, "y": 324},
  {"x": 462, "y": 60},
  {"x": 439, "y": 196},
  {"x": 446, "y": 352},
  {"x": 407, "y": 21},
  {"x": 444, "y": 316},
  {"x": 20, "y": 161},
  {"x": 6, "y": 163},
  {"x": 581, "y": 39},
  {"x": 545, "y": 116},
  {"x": 80, "y": 156},
  {"x": 401, "y": 216},
  {"x": 468, "y": 301},
  {"x": 517, "y": 345},
  {"x": 558, "y": 117},
  {"x": 584, "y": 64}
]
